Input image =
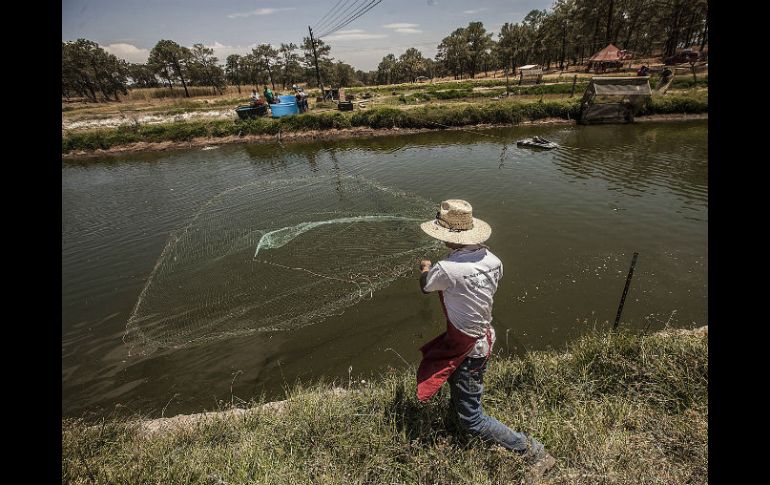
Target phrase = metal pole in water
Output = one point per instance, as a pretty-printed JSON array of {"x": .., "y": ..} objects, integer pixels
[{"x": 625, "y": 291}]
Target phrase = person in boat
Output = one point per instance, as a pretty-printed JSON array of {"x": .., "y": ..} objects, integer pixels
[
  {"x": 466, "y": 281},
  {"x": 269, "y": 96},
  {"x": 255, "y": 99},
  {"x": 301, "y": 96}
]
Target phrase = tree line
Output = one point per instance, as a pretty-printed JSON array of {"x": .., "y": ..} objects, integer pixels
[
  {"x": 91, "y": 72},
  {"x": 567, "y": 35}
]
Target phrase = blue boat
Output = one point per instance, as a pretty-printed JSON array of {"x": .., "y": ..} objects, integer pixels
[
  {"x": 287, "y": 98},
  {"x": 284, "y": 109}
]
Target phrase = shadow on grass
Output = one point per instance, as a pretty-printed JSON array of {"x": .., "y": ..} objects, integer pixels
[{"x": 431, "y": 422}]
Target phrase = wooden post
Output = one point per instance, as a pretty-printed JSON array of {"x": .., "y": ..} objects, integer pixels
[
  {"x": 507, "y": 83},
  {"x": 315, "y": 56},
  {"x": 574, "y": 81}
]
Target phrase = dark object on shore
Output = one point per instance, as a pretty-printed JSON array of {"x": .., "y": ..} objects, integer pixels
[
  {"x": 537, "y": 142},
  {"x": 625, "y": 291},
  {"x": 345, "y": 106},
  {"x": 350, "y": 97},
  {"x": 247, "y": 111}
]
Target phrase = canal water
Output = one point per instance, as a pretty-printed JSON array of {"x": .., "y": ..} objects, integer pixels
[{"x": 166, "y": 309}]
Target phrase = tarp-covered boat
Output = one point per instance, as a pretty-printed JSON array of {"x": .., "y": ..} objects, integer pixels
[{"x": 537, "y": 142}]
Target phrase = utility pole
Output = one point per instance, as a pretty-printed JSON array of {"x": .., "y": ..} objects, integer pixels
[{"x": 315, "y": 56}]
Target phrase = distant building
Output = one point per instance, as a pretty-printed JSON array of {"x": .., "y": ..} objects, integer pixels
[{"x": 531, "y": 73}]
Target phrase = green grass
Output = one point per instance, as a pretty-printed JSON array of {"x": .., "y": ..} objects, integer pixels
[
  {"x": 690, "y": 102},
  {"x": 613, "y": 409},
  {"x": 685, "y": 81}
]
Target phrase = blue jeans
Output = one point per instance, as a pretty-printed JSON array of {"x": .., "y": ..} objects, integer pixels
[{"x": 466, "y": 385}]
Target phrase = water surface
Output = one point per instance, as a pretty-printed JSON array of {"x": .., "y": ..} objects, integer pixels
[{"x": 565, "y": 224}]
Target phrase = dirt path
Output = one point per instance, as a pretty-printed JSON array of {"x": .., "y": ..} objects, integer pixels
[{"x": 148, "y": 119}]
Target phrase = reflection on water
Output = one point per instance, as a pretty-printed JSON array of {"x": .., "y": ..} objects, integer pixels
[{"x": 565, "y": 224}]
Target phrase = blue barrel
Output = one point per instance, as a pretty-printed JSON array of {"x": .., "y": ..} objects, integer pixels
[
  {"x": 284, "y": 109},
  {"x": 287, "y": 98}
]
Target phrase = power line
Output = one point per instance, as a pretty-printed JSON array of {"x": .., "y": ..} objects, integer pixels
[
  {"x": 345, "y": 15},
  {"x": 332, "y": 15},
  {"x": 354, "y": 16},
  {"x": 345, "y": 10},
  {"x": 326, "y": 14}
]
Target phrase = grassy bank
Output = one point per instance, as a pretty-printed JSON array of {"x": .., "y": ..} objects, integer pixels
[
  {"x": 432, "y": 117},
  {"x": 613, "y": 409}
]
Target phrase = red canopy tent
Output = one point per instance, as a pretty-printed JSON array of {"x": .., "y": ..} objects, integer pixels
[{"x": 610, "y": 56}]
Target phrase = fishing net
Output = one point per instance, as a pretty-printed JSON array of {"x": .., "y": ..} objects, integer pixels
[{"x": 278, "y": 255}]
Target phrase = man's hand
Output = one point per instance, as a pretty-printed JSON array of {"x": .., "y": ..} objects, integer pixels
[{"x": 424, "y": 268}]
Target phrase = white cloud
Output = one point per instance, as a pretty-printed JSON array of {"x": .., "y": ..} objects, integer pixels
[
  {"x": 260, "y": 11},
  {"x": 404, "y": 28},
  {"x": 353, "y": 34},
  {"x": 129, "y": 52},
  {"x": 221, "y": 51},
  {"x": 400, "y": 26},
  {"x": 471, "y": 12},
  {"x": 134, "y": 54}
]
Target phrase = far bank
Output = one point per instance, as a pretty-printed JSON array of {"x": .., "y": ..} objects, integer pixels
[{"x": 363, "y": 123}]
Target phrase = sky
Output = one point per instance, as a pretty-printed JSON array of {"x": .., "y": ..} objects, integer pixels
[{"x": 130, "y": 28}]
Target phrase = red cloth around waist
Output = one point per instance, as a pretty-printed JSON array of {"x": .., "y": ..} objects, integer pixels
[{"x": 440, "y": 357}]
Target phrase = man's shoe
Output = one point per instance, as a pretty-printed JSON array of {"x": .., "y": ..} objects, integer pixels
[{"x": 538, "y": 468}]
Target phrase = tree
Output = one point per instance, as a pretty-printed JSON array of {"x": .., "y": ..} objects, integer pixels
[
  {"x": 142, "y": 76},
  {"x": 204, "y": 68},
  {"x": 386, "y": 69},
  {"x": 342, "y": 74},
  {"x": 430, "y": 68},
  {"x": 88, "y": 69},
  {"x": 412, "y": 63},
  {"x": 266, "y": 56},
  {"x": 234, "y": 70},
  {"x": 289, "y": 61},
  {"x": 453, "y": 53},
  {"x": 478, "y": 42},
  {"x": 169, "y": 60},
  {"x": 366, "y": 78}
]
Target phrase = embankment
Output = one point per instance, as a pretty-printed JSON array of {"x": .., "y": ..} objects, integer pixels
[{"x": 612, "y": 408}]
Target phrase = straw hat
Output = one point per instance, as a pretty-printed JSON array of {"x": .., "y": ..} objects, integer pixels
[{"x": 455, "y": 223}]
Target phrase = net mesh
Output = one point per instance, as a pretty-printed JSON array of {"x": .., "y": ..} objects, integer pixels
[{"x": 278, "y": 255}]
